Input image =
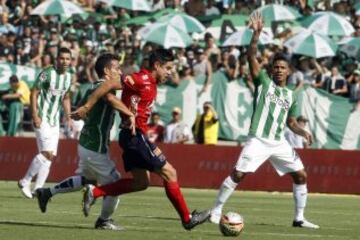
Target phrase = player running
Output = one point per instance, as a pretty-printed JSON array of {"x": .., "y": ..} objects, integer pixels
[
  {"x": 50, "y": 90},
  {"x": 95, "y": 164},
  {"x": 139, "y": 155},
  {"x": 274, "y": 105}
]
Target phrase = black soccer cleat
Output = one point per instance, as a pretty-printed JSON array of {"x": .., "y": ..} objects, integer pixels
[
  {"x": 107, "y": 225},
  {"x": 305, "y": 224},
  {"x": 43, "y": 197},
  {"x": 196, "y": 219}
]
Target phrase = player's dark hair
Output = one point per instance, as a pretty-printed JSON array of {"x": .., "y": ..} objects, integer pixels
[
  {"x": 280, "y": 57},
  {"x": 103, "y": 61},
  {"x": 160, "y": 55},
  {"x": 64, "y": 50}
]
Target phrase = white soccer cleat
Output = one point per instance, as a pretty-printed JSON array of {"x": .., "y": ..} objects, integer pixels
[
  {"x": 215, "y": 217},
  {"x": 305, "y": 224},
  {"x": 25, "y": 189}
]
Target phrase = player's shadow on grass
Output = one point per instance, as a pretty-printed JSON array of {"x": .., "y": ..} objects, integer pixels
[{"x": 35, "y": 224}]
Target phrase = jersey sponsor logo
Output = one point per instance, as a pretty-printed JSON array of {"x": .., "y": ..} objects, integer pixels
[
  {"x": 145, "y": 77},
  {"x": 283, "y": 103}
]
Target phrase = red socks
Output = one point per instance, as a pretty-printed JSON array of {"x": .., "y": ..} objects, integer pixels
[
  {"x": 175, "y": 196},
  {"x": 114, "y": 189}
]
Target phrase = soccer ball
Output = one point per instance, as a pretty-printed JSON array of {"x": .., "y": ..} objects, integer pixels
[{"x": 231, "y": 224}]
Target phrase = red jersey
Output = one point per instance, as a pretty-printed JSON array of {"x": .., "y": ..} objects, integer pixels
[{"x": 139, "y": 94}]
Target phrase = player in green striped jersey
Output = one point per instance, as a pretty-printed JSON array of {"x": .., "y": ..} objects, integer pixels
[
  {"x": 95, "y": 165},
  {"x": 51, "y": 90},
  {"x": 274, "y": 106}
]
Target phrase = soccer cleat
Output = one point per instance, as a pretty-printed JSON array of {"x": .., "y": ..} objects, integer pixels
[
  {"x": 107, "y": 225},
  {"x": 88, "y": 199},
  {"x": 43, "y": 197},
  {"x": 25, "y": 190},
  {"x": 305, "y": 224},
  {"x": 196, "y": 219},
  {"x": 215, "y": 217}
]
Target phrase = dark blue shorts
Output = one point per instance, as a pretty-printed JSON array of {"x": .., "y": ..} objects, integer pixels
[{"x": 138, "y": 152}]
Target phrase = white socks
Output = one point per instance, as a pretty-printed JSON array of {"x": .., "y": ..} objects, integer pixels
[
  {"x": 70, "y": 184},
  {"x": 226, "y": 189},
  {"x": 300, "y": 197},
  {"x": 32, "y": 170},
  {"x": 43, "y": 173},
  {"x": 39, "y": 166},
  {"x": 109, "y": 205}
]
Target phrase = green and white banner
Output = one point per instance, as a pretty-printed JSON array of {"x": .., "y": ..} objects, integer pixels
[
  {"x": 331, "y": 121},
  {"x": 28, "y": 74}
]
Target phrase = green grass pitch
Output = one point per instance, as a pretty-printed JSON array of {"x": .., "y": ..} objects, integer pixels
[{"x": 148, "y": 215}]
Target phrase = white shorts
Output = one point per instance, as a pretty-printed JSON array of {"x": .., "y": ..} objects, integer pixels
[
  {"x": 96, "y": 166},
  {"x": 257, "y": 150},
  {"x": 47, "y": 137}
]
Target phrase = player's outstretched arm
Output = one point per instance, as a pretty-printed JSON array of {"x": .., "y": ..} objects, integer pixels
[
  {"x": 118, "y": 105},
  {"x": 295, "y": 127},
  {"x": 101, "y": 91},
  {"x": 256, "y": 24}
]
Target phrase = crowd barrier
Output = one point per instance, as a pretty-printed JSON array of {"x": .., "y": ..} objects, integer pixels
[{"x": 199, "y": 166}]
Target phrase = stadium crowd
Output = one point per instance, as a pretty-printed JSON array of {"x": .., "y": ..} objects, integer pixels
[{"x": 33, "y": 40}]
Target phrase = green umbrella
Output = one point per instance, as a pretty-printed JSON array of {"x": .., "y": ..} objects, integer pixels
[
  {"x": 350, "y": 46},
  {"x": 184, "y": 22},
  {"x": 134, "y": 5},
  {"x": 57, "y": 7},
  {"x": 277, "y": 12},
  {"x": 243, "y": 38},
  {"x": 311, "y": 44},
  {"x": 165, "y": 35},
  {"x": 328, "y": 23},
  {"x": 226, "y": 22}
]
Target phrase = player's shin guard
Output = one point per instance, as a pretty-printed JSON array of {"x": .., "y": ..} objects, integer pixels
[
  {"x": 175, "y": 196},
  {"x": 43, "y": 173},
  {"x": 109, "y": 205},
  {"x": 300, "y": 197},
  {"x": 70, "y": 184},
  {"x": 119, "y": 187},
  {"x": 225, "y": 191}
]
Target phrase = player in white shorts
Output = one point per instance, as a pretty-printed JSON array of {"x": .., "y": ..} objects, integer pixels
[
  {"x": 51, "y": 90},
  {"x": 95, "y": 165},
  {"x": 274, "y": 106}
]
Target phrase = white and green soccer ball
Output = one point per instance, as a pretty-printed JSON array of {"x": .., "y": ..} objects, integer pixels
[{"x": 231, "y": 224}]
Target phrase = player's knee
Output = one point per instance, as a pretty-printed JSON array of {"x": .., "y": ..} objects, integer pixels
[
  {"x": 299, "y": 177},
  {"x": 48, "y": 155},
  {"x": 168, "y": 172},
  {"x": 237, "y": 176},
  {"x": 141, "y": 185}
]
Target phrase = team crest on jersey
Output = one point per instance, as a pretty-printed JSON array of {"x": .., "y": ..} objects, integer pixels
[
  {"x": 145, "y": 77},
  {"x": 42, "y": 77}
]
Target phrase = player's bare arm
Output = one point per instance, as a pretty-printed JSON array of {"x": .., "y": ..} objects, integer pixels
[
  {"x": 34, "y": 111},
  {"x": 256, "y": 24},
  {"x": 106, "y": 87},
  {"x": 294, "y": 126},
  {"x": 67, "y": 109},
  {"x": 118, "y": 105}
]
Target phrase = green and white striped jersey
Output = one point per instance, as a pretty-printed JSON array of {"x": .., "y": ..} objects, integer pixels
[
  {"x": 95, "y": 134},
  {"x": 53, "y": 87},
  {"x": 271, "y": 108}
]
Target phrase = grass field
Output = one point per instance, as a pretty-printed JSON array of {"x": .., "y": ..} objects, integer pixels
[{"x": 148, "y": 215}]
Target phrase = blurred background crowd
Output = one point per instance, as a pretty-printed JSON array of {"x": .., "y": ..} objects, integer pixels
[{"x": 206, "y": 43}]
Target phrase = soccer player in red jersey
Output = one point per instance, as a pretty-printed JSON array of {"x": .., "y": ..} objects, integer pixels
[{"x": 140, "y": 156}]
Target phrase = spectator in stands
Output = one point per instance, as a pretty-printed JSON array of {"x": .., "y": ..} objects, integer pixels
[
  {"x": 295, "y": 140},
  {"x": 206, "y": 126},
  {"x": 202, "y": 67},
  {"x": 211, "y": 9},
  {"x": 155, "y": 131},
  {"x": 336, "y": 83},
  {"x": 355, "y": 90},
  {"x": 16, "y": 99},
  {"x": 177, "y": 131}
]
